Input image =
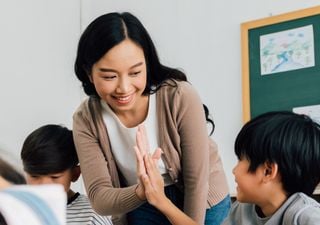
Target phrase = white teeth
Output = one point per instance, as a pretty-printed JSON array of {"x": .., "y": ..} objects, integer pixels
[{"x": 123, "y": 98}]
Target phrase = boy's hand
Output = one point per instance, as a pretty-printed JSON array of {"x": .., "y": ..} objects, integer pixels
[{"x": 153, "y": 183}]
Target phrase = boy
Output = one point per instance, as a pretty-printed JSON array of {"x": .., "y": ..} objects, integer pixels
[
  {"x": 49, "y": 156},
  {"x": 278, "y": 168}
]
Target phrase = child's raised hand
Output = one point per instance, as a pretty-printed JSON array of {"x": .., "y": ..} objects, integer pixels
[
  {"x": 153, "y": 182},
  {"x": 151, "y": 185}
]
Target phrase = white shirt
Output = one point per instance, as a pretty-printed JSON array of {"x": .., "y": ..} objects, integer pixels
[
  {"x": 80, "y": 212},
  {"x": 123, "y": 139}
]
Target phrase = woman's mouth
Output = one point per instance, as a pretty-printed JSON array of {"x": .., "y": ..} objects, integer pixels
[{"x": 123, "y": 99}]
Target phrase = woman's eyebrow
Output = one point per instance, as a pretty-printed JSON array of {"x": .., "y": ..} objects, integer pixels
[{"x": 113, "y": 70}]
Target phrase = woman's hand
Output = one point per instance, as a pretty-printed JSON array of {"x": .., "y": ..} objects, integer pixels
[
  {"x": 151, "y": 185},
  {"x": 142, "y": 149}
]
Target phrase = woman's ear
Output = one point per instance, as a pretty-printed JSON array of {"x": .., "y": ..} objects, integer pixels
[
  {"x": 270, "y": 171},
  {"x": 75, "y": 173},
  {"x": 88, "y": 72},
  {"x": 90, "y": 78}
]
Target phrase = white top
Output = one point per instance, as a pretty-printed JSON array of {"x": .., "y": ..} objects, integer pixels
[{"x": 123, "y": 139}]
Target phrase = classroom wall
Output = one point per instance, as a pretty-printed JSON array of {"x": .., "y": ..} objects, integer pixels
[
  {"x": 37, "y": 49},
  {"x": 38, "y": 44},
  {"x": 203, "y": 38}
]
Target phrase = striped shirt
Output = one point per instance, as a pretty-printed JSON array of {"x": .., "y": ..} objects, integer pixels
[{"x": 80, "y": 212}]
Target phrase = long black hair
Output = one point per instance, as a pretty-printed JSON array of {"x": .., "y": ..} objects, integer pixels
[{"x": 111, "y": 29}]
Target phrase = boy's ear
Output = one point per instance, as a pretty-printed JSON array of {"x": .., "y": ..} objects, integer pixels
[
  {"x": 270, "y": 171},
  {"x": 75, "y": 173}
]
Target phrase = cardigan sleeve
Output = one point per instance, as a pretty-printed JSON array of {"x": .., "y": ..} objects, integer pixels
[
  {"x": 192, "y": 128},
  {"x": 104, "y": 197}
]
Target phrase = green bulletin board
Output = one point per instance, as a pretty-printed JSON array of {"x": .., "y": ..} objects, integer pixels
[{"x": 281, "y": 62}]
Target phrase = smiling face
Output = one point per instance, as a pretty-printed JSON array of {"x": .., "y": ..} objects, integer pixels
[
  {"x": 120, "y": 77},
  {"x": 249, "y": 183}
]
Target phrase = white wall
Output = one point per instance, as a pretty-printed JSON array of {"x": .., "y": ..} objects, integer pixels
[
  {"x": 203, "y": 38},
  {"x": 37, "y": 48}
]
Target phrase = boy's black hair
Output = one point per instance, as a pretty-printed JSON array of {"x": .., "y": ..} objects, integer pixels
[
  {"x": 9, "y": 173},
  {"x": 49, "y": 149},
  {"x": 290, "y": 140}
]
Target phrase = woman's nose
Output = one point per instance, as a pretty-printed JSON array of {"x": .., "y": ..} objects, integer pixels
[{"x": 123, "y": 85}]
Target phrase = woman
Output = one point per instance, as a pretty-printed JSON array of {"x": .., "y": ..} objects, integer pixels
[{"x": 127, "y": 85}]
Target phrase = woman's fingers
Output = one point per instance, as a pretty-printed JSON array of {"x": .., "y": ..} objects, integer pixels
[
  {"x": 153, "y": 172},
  {"x": 142, "y": 140},
  {"x": 140, "y": 144},
  {"x": 141, "y": 171},
  {"x": 147, "y": 169},
  {"x": 144, "y": 136},
  {"x": 157, "y": 155},
  {"x": 140, "y": 163},
  {"x": 146, "y": 183}
]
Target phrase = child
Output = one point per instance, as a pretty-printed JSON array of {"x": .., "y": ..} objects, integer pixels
[
  {"x": 35, "y": 205},
  {"x": 9, "y": 175},
  {"x": 278, "y": 168},
  {"x": 49, "y": 156},
  {"x": 277, "y": 171}
]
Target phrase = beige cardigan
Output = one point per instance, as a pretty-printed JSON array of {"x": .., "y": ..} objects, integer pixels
[{"x": 191, "y": 157}]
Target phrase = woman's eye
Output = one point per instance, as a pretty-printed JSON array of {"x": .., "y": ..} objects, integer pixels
[
  {"x": 109, "y": 77},
  {"x": 135, "y": 73}
]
